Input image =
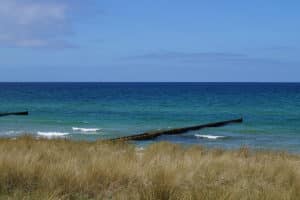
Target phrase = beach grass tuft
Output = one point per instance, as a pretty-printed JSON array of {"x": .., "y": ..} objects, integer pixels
[{"x": 62, "y": 169}]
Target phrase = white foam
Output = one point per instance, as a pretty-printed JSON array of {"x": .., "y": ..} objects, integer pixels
[
  {"x": 86, "y": 129},
  {"x": 13, "y": 132},
  {"x": 52, "y": 134},
  {"x": 139, "y": 149},
  {"x": 212, "y": 137}
]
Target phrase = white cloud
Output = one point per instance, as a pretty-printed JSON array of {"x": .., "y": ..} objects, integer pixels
[
  {"x": 28, "y": 13},
  {"x": 35, "y": 23}
]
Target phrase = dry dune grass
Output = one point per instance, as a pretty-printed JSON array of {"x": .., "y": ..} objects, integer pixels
[{"x": 62, "y": 169}]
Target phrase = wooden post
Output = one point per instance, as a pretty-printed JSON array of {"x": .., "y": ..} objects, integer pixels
[
  {"x": 14, "y": 113},
  {"x": 176, "y": 131}
]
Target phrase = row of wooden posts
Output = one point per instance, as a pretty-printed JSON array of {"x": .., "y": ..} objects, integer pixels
[{"x": 154, "y": 134}]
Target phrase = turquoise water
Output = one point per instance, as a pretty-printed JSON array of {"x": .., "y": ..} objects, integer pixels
[{"x": 90, "y": 111}]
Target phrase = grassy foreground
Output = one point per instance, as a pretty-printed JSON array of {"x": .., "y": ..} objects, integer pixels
[{"x": 62, "y": 169}]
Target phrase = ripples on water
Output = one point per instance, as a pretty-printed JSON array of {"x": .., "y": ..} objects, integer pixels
[{"x": 93, "y": 111}]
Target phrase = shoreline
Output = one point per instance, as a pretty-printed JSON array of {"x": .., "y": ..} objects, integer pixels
[
  {"x": 64, "y": 169},
  {"x": 140, "y": 144}
]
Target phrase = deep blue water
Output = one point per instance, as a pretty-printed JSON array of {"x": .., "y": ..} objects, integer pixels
[{"x": 271, "y": 111}]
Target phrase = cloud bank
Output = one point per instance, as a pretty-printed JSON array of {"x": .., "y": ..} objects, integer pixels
[
  {"x": 190, "y": 56},
  {"x": 203, "y": 57},
  {"x": 36, "y": 23}
]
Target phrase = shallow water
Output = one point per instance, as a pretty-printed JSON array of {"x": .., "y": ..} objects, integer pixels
[{"x": 91, "y": 111}]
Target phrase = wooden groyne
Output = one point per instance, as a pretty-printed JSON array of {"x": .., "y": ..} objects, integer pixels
[
  {"x": 153, "y": 134},
  {"x": 14, "y": 113}
]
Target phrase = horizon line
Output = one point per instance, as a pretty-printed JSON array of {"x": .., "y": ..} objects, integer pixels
[{"x": 149, "y": 82}]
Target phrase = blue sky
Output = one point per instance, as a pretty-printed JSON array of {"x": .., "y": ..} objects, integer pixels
[{"x": 148, "y": 40}]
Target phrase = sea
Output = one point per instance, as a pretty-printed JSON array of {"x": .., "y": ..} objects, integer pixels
[{"x": 97, "y": 111}]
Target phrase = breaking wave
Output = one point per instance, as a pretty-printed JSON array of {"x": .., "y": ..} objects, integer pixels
[
  {"x": 52, "y": 134},
  {"x": 211, "y": 137},
  {"x": 86, "y": 129}
]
